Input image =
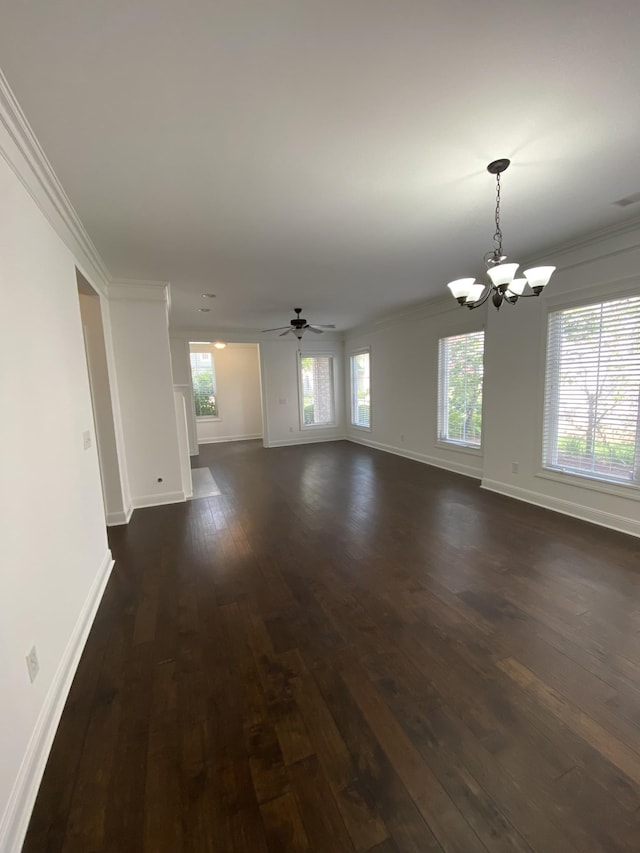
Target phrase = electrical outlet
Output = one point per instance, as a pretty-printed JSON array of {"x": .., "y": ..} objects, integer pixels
[
  {"x": 86, "y": 439},
  {"x": 402, "y": 438},
  {"x": 515, "y": 467},
  {"x": 290, "y": 429},
  {"x": 33, "y": 664}
]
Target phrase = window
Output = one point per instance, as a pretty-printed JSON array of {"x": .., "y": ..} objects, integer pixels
[
  {"x": 592, "y": 391},
  {"x": 460, "y": 370},
  {"x": 316, "y": 390},
  {"x": 203, "y": 378},
  {"x": 360, "y": 390}
]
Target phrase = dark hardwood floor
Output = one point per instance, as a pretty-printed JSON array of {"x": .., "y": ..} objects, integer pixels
[{"x": 347, "y": 650}]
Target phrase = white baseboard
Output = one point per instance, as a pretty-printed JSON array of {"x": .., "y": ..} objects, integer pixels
[
  {"x": 311, "y": 440},
  {"x": 116, "y": 518},
  {"x": 15, "y": 821},
  {"x": 229, "y": 438},
  {"x": 584, "y": 513},
  {"x": 456, "y": 467},
  {"x": 160, "y": 499}
]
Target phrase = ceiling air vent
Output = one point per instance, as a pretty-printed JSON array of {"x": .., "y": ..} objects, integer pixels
[{"x": 630, "y": 199}]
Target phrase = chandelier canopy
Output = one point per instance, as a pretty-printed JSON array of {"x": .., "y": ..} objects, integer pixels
[{"x": 503, "y": 286}]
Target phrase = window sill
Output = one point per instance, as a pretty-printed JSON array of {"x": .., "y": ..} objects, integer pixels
[
  {"x": 462, "y": 448},
  {"x": 622, "y": 490},
  {"x": 361, "y": 428},
  {"x": 205, "y": 418},
  {"x": 331, "y": 425}
]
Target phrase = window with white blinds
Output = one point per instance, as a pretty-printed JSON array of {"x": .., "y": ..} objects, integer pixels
[
  {"x": 460, "y": 373},
  {"x": 203, "y": 379},
  {"x": 592, "y": 391},
  {"x": 317, "y": 401},
  {"x": 361, "y": 390}
]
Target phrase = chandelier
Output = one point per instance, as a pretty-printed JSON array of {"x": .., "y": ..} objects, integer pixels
[{"x": 504, "y": 286}]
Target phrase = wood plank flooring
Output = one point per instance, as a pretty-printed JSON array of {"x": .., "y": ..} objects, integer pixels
[{"x": 350, "y": 651}]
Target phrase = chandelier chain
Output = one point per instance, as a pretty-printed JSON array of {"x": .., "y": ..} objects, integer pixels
[{"x": 497, "y": 237}]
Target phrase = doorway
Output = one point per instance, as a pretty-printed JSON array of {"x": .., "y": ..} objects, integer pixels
[{"x": 101, "y": 402}]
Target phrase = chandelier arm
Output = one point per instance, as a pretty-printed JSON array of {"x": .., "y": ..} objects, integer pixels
[{"x": 483, "y": 298}]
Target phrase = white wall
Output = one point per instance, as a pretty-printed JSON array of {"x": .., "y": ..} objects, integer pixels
[
  {"x": 279, "y": 367},
  {"x": 139, "y": 331},
  {"x": 181, "y": 371},
  {"x": 404, "y": 384},
  {"x": 404, "y": 357},
  {"x": 237, "y": 370},
  {"x": 279, "y": 381},
  {"x": 55, "y": 558},
  {"x": 602, "y": 266}
]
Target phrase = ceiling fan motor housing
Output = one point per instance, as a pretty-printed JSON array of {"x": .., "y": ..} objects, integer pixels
[{"x": 298, "y": 322}]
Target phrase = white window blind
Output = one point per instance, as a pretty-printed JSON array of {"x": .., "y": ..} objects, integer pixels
[
  {"x": 592, "y": 391},
  {"x": 316, "y": 390},
  {"x": 361, "y": 390},
  {"x": 460, "y": 373},
  {"x": 203, "y": 378}
]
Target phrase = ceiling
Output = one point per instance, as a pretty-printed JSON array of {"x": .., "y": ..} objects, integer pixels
[{"x": 329, "y": 153}]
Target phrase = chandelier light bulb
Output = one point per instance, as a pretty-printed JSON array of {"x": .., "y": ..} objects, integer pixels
[
  {"x": 539, "y": 276},
  {"x": 475, "y": 293},
  {"x": 517, "y": 286},
  {"x": 461, "y": 287},
  {"x": 502, "y": 274}
]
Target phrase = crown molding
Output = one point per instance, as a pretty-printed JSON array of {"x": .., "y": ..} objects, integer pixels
[
  {"x": 139, "y": 291},
  {"x": 592, "y": 239},
  {"x": 239, "y": 335},
  {"x": 426, "y": 309},
  {"x": 25, "y": 156}
]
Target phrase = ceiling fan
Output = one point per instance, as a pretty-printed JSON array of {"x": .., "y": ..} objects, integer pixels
[{"x": 299, "y": 325}]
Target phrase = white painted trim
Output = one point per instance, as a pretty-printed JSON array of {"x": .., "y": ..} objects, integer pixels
[
  {"x": 436, "y": 462},
  {"x": 22, "y": 151},
  {"x": 584, "y": 513},
  {"x": 116, "y": 518},
  {"x": 311, "y": 440},
  {"x": 424, "y": 310},
  {"x": 222, "y": 438},
  {"x": 590, "y": 240},
  {"x": 15, "y": 821},
  {"x": 314, "y": 353},
  {"x": 140, "y": 291},
  {"x": 626, "y": 490},
  {"x": 160, "y": 499}
]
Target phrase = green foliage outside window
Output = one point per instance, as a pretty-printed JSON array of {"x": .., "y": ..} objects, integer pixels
[
  {"x": 461, "y": 366},
  {"x": 204, "y": 396},
  {"x": 204, "y": 389}
]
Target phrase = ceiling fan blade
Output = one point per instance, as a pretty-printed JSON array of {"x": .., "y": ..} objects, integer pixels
[
  {"x": 312, "y": 329},
  {"x": 325, "y": 325},
  {"x": 275, "y": 330},
  {"x": 282, "y": 334}
]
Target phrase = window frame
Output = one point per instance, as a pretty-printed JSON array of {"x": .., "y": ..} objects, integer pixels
[
  {"x": 352, "y": 389},
  {"x": 203, "y": 349},
  {"x": 442, "y": 399},
  {"x": 316, "y": 354},
  {"x": 583, "y": 298}
]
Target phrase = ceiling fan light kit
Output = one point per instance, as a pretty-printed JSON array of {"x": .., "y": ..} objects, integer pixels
[
  {"x": 504, "y": 286},
  {"x": 299, "y": 325}
]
